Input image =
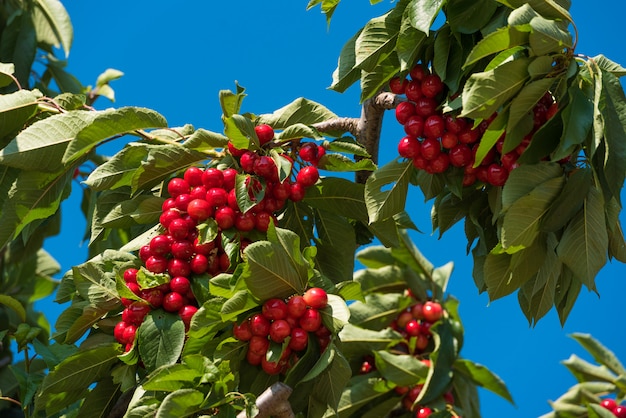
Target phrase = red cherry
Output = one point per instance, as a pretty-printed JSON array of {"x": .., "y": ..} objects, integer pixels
[
  {"x": 180, "y": 284},
  {"x": 225, "y": 217},
  {"x": 265, "y": 167},
  {"x": 418, "y": 72},
  {"x": 449, "y": 140},
  {"x": 404, "y": 110},
  {"x": 262, "y": 221},
  {"x": 244, "y": 222},
  {"x": 242, "y": 331},
  {"x": 200, "y": 210},
  {"x": 408, "y": 147},
  {"x": 199, "y": 264},
  {"x": 274, "y": 309},
  {"x": 173, "y": 302},
  {"x": 118, "y": 332},
  {"x": 308, "y": 152},
  {"x": 259, "y": 325},
  {"x": 620, "y": 411},
  {"x": 297, "y": 192},
  {"x": 316, "y": 298},
  {"x": 156, "y": 264},
  {"x": 258, "y": 344},
  {"x": 182, "y": 249},
  {"x": 608, "y": 403},
  {"x": 308, "y": 176},
  {"x": 425, "y": 106},
  {"x": 299, "y": 339},
  {"x": 398, "y": 85},
  {"x": 193, "y": 176},
  {"x": 424, "y": 412},
  {"x": 420, "y": 162},
  {"x": 178, "y": 267},
  {"x": 412, "y": 328},
  {"x": 279, "y": 330},
  {"x": 230, "y": 174},
  {"x": 432, "y": 311},
  {"x": 497, "y": 175},
  {"x": 212, "y": 177},
  {"x": 177, "y": 186},
  {"x": 296, "y": 306},
  {"x": 169, "y": 203},
  {"x": 311, "y": 320},
  {"x": 135, "y": 312},
  {"x": 460, "y": 155},
  {"x": 168, "y": 216},
  {"x": 186, "y": 313},
  {"x": 431, "y": 85},
  {"x": 430, "y": 149},
  {"x": 440, "y": 163},
  {"x": 178, "y": 229},
  {"x": 414, "y": 126},
  {"x": 130, "y": 275},
  {"x": 153, "y": 296},
  {"x": 414, "y": 90},
  {"x": 468, "y": 135},
  {"x": 403, "y": 319},
  {"x": 434, "y": 126},
  {"x": 454, "y": 124},
  {"x": 217, "y": 196},
  {"x": 264, "y": 132},
  {"x": 235, "y": 152},
  {"x": 422, "y": 342},
  {"x": 271, "y": 367},
  {"x": 417, "y": 311},
  {"x": 128, "y": 336},
  {"x": 247, "y": 161}
]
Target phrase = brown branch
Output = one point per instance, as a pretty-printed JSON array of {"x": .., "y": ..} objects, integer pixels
[
  {"x": 273, "y": 402},
  {"x": 120, "y": 407},
  {"x": 366, "y": 129}
]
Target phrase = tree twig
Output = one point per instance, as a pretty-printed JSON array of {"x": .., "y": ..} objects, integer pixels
[{"x": 273, "y": 402}]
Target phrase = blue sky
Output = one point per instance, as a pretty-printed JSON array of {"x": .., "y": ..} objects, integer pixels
[{"x": 176, "y": 59}]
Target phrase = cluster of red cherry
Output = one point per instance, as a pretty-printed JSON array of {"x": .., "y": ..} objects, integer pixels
[
  {"x": 288, "y": 323},
  {"x": 618, "y": 410},
  {"x": 435, "y": 141},
  {"x": 174, "y": 296}
]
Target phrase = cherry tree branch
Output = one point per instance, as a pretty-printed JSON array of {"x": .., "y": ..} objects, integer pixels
[
  {"x": 273, "y": 402},
  {"x": 367, "y": 128}
]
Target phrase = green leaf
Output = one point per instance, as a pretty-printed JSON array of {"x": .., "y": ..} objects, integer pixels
[
  {"x": 111, "y": 123},
  {"x": 101, "y": 399},
  {"x": 569, "y": 201},
  {"x": 523, "y": 104},
  {"x": 41, "y": 146},
  {"x": 483, "y": 377},
  {"x": 382, "y": 203},
  {"x": 53, "y": 24},
  {"x": 550, "y": 9},
  {"x": 240, "y": 130},
  {"x": 271, "y": 273},
  {"x": 339, "y": 196},
  {"x": 409, "y": 43},
  {"x": 599, "y": 352},
  {"x": 378, "y": 310},
  {"x": 609, "y": 66},
  {"x": 497, "y": 41},
  {"x": 14, "y": 304},
  {"x": 547, "y": 36},
  {"x": 577, "y": 122},
  {"x": 525, "y": 178},
  {"x": 401, "y": 369},
  {"x": 160, "y": 339},
  {"x": 485, "y": 92},
  {"x": 357, "y": 342},
  {"x": 358, "y": 394},
  {"x": 520, "y": 226},
  {"x": 584, "y": 243},
  {"x": 335, "y": 247},
  {"x": 181, "y": 403},
  {"x": 70, "y": 380},
  {"x": 442, "y": 359},
  {"x": 584, "y": 371},
  {"x": 376, "y": 40},
  {"x": 301, "y": 110},
  {"x": 346, "y": 73},
  {"x": 469, "y": 16},
  {"x": 6, "y": 74},
  {"x": 613, "y": 106},
  {"x": 422, "y": 13},
  {"x": 329, "y": 385},
  {"x": 15, "y": 109},
  {"x": 231, "y": 102}
]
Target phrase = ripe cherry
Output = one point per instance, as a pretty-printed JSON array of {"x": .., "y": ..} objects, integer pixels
[
  {"x": 217, "y": 196},
  {"x": 264, "y": 132},
  {"x": 620, "y": 411},
  {"x": 180, "y": 284},
  {"x": 242, "y": 331},
  {"x": 423, "y": 412},
  {"x": 308, "y": 176},
  {"x": 259, "y": 325},
  {"x": 414, "y": 90},
  {"x": 412, "y": 328},
  {"x": 460, "y": 155},
  {"x": 308, "y": 152},
  {"x": 135, "y": 312},
  {"x": 430, "y": 149},
  {"x": 244, "y": 222},
  {"x": 440, "y": 163},
  {"x": 274, "y": 309},
  {"x": 297, "y": 192},
  {"x": 296, "y": 306},
  {"x": 182, "y": 249},
  {"x": 418, "y": 72},
  {"x": 186, "y": 313},
  {"x": 608, "y": 403},
  {"x": 118, "y": 331},
  {"x": 193, "y": 176},
  {"x": 271, "y": 367},
  {"x": 425, "y": 106},
  {"x": 178, "y": 267},
  {"x": 454, "y": 124},
  {"x": 156, "y": 264},
  {"x": 200, "y": 210},
  {"x": 316, "y": 298},
  {"x": 153, "y": 296},
  {"x": 299, "y": 339},
  {"x": 130, "y": 275},
  {"x": 173, "y": 302},
  {"x": 168, "y": 216},
  {"x": 398, "y": 85},
  {"x": 432, "y": 311},
  {"x": 311, "y": 320},
  {"x": 434, "y": 126},
  {"x": 404, "y": 110},
  {"x": 258, "y": 344},
  {"x": 178, "y": 229},
  {"x": 497, "y": 175},
  {"x": 431, "y": 85},
  {"x": 128, "y": 336},
  {"x": 177, "y": 186},
  {"x": 279, "y": 330},
  {"x": 225, "y": 217},
  {"x": 414, "y": 126},
  {"x": 199, "y": 264},
  {"x": 449, "y": 140}
]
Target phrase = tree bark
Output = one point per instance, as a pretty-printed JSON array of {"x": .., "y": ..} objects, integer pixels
[{"x": 273, "y": 402}]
